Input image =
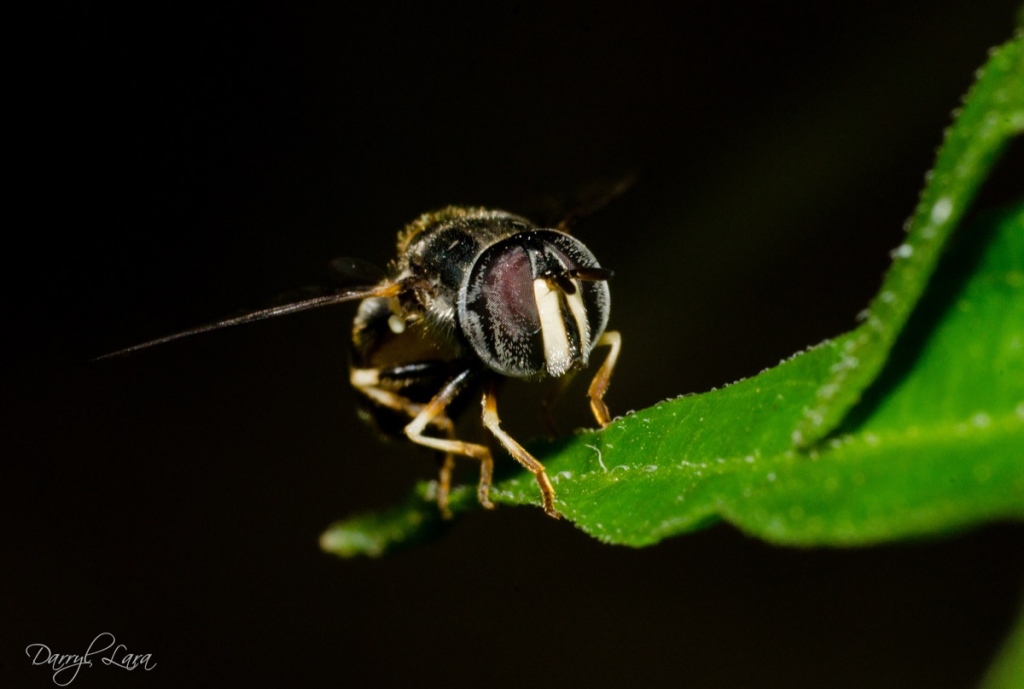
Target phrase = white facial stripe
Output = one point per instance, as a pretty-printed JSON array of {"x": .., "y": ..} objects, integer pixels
[
  {"x": 579, "y": 313},
  {"x": 552, "y": 328}
]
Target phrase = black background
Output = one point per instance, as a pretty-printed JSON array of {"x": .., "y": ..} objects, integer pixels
[{"x": 171, "y": 165}]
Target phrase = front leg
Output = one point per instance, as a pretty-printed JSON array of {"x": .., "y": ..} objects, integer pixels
[
  {"x": 493, "y": 423},
  {"x": 431, "y": 414},
  {"x": 603, "y": 377}
]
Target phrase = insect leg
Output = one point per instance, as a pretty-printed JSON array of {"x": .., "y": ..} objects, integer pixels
[
  {"x": 429, "y": 415},
  {"x": 444, "y": 472},
  {"x": 603, "y": 378},
  {"x": 383, "y": 385},
  {"x": 493, "y": 423},
  {"x": 444, "y": 480},
  {"x": 367, "y": 381}
]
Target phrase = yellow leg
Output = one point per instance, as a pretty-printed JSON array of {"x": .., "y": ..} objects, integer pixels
[
  {"x": 429, "y": 415},
  {"x": 493, "y": 423},
  {"x": 366, "y": 381},
  {"x": 603, "y": 378}
]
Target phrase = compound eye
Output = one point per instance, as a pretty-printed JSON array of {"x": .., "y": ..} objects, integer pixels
[{"x": 529, "y": 305}]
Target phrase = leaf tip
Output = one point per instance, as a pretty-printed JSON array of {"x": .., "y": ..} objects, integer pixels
[{"x": 376, "y": 534}]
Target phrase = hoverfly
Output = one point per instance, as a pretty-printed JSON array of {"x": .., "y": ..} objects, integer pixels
[{"x": 473, "y": 296}]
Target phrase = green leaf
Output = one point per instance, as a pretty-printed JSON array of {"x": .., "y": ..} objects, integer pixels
[
  {"x": 993, "y": 113},
  {"x": 940, "y": 447},
  {"x": 911, "y": 425},
  {"x": 375, "y": 534}
]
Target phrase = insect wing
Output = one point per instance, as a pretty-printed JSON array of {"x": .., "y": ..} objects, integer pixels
[{"x": 290, "y": 305}]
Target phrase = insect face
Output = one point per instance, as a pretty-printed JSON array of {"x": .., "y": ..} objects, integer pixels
[{"x": 526, "y": 308}]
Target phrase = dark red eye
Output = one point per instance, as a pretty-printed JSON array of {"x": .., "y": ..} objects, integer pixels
[
  {"x": 500, "y": 311},
  {"x": 526, "y": 311},
  {"x": 507, "y": 290}
]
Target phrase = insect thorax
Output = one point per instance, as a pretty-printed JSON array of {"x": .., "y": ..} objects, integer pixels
[{"x": 439, "y": 248}]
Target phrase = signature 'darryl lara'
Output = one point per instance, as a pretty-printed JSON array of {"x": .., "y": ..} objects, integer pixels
[{"x": 103, "y": 648}]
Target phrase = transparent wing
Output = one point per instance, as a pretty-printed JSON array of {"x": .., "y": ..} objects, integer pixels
[
  {"x": 564, "y": 210},
  {"x": 293, "y": 303},
  {"x": 595, "y": 196}
]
